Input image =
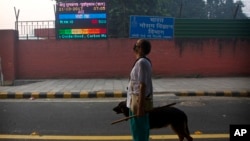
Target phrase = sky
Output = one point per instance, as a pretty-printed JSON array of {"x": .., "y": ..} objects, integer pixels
[
  {"x": 39, "y": 10},
  {"x": 30, "y": 10}
]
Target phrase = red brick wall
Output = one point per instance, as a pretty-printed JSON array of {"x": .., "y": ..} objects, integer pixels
[
  {"x": 74, "y": 58},
  {"x": 114, "y": 58},
  {"x": 45, "y": 33},
  {"x": 8, "y": 54},
  {"x": 207, "y": 57}
]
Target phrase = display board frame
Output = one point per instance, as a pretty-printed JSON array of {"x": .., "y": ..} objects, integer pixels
[{"x": 81, "y": 19}]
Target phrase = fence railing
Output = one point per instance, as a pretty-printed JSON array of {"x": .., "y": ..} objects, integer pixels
[{"x": 36, "y": 30}]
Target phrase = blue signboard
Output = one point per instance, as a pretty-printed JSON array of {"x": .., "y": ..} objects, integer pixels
[{"x": 151, "y": 27}]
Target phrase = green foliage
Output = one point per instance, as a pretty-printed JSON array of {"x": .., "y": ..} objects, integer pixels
[
  {"x": 224, "y": 9},
  {"x": 120, "y": 10}
]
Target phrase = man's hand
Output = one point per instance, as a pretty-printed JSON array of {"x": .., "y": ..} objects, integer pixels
[{"x": 141, "y": 111}]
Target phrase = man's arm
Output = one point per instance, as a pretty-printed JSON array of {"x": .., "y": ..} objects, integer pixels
[{"x": 141, "y": 109}]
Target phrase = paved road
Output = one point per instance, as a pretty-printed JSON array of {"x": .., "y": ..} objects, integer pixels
[{"x": 92, "y": 117}]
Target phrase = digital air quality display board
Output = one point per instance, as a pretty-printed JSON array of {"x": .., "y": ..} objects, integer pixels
[{"x": 81, "y": 19}]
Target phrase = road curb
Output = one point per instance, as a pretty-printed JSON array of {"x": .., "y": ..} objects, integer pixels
[
  {"x": 114, "y": 94},
  {"x": 82, "y": 94},
  {"x": 215, "y": 93}
]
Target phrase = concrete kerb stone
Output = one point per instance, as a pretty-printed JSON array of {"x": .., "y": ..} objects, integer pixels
[
  {"x": 114, "y": 94},
  {"x": 82, "y": 94}
]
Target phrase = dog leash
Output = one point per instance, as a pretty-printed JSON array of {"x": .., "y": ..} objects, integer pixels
[
  {"x": 123, "y": 119},
  {"x": 127, "y": 118}
]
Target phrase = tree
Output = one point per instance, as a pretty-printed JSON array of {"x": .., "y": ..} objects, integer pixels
[
  {"x": 183, "y": 8},
  {"x": 224, "y": 9},
  {"x": 119, "y": 12},
  {"x": 193, "y": 9}
]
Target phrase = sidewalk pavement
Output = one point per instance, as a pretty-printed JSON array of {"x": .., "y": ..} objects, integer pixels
[{"x": 95, "y": 88}]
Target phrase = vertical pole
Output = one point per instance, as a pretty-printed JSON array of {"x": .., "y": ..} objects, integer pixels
[
  {"x": 17, "y": 16},
  {"x": 16, "y": 23},
  {"x": 124, "y": 19},
  {"x": 180, "y": 12},
  {"x": 236, "y": 11},
  {"x": 55, "y": 26},
  {"x": 1, "y": 74},
  {"x": 54, "y": 10}
]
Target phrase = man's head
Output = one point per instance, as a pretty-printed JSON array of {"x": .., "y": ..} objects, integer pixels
[{"x": 142, "y": 47}]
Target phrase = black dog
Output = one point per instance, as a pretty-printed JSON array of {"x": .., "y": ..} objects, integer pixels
[{"x": 162, "y": 117}]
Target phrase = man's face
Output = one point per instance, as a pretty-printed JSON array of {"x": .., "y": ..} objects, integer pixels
[{"x": 137, "y": 47}]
